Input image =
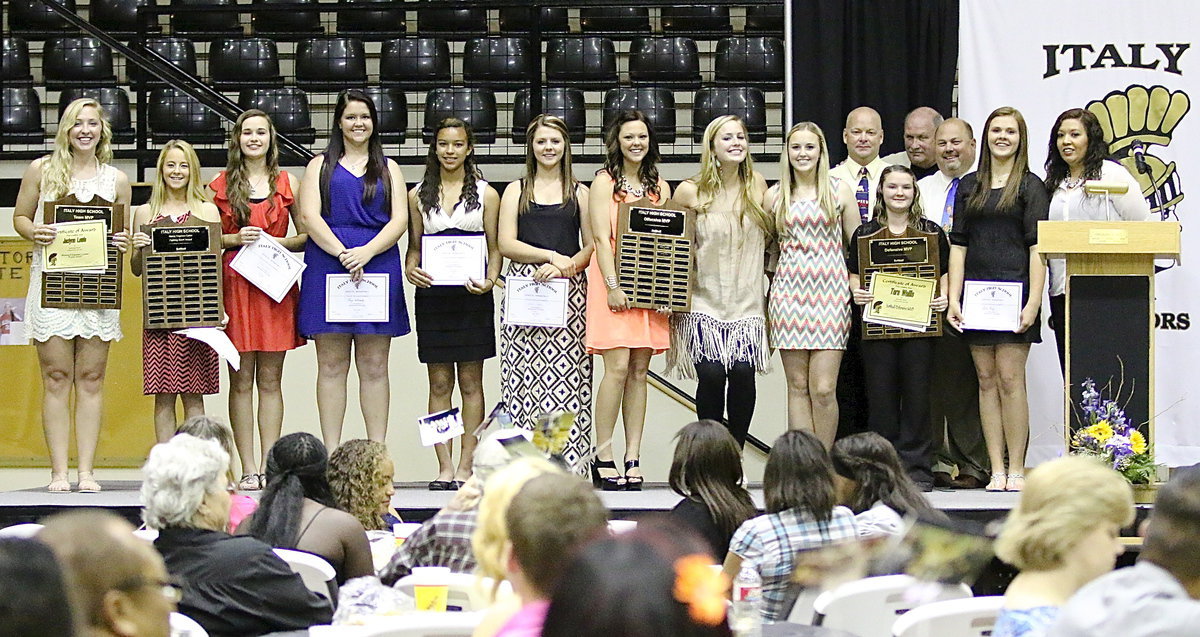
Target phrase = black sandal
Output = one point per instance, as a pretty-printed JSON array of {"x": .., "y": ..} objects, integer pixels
[
  {"x": 606, "y": 483},
  {"x": 633, "y": 483},
  {"x": 439, "y": 485}
]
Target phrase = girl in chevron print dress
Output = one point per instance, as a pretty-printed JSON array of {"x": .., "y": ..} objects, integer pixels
[
  {"x": 809, "y": 299},
  {"x": 174, "y": 365}
]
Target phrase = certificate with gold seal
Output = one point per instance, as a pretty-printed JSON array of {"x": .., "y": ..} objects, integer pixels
[
  {"x": 78, "y": 246},
  {"x": 900, "y": 301}
]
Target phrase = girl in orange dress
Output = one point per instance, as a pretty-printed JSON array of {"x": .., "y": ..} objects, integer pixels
[
  {"x": 254, "y": 196},
  {"x": 624, "y": 337}
]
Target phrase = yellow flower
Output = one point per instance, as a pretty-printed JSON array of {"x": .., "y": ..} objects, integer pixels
[
  {"x": 1138, "y": 441},
  {"x": 1101, "y": 431}
]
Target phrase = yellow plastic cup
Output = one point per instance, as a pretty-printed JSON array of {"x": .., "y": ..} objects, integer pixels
[{"x": 431, "y": 589}]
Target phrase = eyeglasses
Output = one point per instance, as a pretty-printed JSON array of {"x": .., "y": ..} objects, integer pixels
[{"x": 171, "y": 589}]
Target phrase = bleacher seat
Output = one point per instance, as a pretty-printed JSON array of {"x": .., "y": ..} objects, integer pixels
[
  {"x": 174, "y": 114},
  {"x": 286, "y": 25},
  {"x": 696, "y": 19},
  {"x": 35, "y": 20},
  {"x": 206, "y": 25},
  {"x": 519, "y": 20},
  {"x": 374, "y": 25},
  {"x": 244, "y": 63},
  {"x": 392, "y": 106},
  {"x": 114, "y": 101},
  {"x": 475, "y": 106},
  {"x": 119, "y": 17},
  {"x": 616, "y": 20},
  {"x": 180, "y": 52},
  {"x": 765, "y": 19},
  {"x": 454, "y": 24},
  {"x": 565, "y": 103},
  {"x": 331, "y": 64},
  {"x": 288, "y": 108},
  {"x": 746, "y": 102},
  {"x": 21, "y": 116},
  {"x": 14, "y": 62},
  {"x": 499, "y": 63},
  {"x": 658, "y": 104},
  {"x": 667, "y": 62},
  {"x": 68, "y": 62},
  {"x": 589, "y": 62},
  {"x": 415, "y": 63},
  {"x": 750, "y": 61}
]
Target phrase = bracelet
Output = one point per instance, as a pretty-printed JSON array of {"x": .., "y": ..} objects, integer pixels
[{"x": 610, "y": 281}]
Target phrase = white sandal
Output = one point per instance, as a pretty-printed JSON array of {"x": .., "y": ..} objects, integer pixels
[{"x": 999, "y": 483}]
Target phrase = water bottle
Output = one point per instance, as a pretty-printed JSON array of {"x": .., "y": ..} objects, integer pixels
[{"x": 745, "y": 614}]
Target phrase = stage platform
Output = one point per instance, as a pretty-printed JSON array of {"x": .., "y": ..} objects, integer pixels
[{"x": 415, "y": 503}]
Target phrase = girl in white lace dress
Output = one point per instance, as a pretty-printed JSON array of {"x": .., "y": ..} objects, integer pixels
[{"x": 72, "y": 345}]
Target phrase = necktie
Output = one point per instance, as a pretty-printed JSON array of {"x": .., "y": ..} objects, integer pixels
[
  {"x": 948, "y": 209},
  {"x": 863, "y": 194}
]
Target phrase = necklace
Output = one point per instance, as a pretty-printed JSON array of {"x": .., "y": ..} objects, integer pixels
[
  {"x": 625, "y": 186},
  {"x": 1072, "y": 183},
  {"x": 257, "y": 185}
]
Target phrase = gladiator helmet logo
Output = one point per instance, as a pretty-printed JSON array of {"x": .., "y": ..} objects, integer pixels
[{"x": 1149, "y": 115}]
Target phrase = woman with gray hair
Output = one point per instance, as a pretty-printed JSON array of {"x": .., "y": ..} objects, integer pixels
[{"x": 231, "y": 585}]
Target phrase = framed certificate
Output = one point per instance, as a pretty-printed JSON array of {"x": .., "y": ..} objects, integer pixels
[
  {"x": 535, "y": 304},
  {"x": 93, "y": 288},
  {"x": 365, "y": 301},
  {"x": 908, "y": 270},
  {"x": 654, "y": 255},
  {"x": 181, "y": 275},
  {"x": 453, "y": 259},
  {"x": 271, "y": 267},
  {"x": 78, "y": 246},
  {"x": 992, "y": 305}
]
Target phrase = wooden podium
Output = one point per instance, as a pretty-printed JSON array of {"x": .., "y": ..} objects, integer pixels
[{"x": 1110, "y": 307}]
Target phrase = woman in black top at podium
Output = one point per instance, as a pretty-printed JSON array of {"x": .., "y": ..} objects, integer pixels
[{"x": 995, "y": 239}]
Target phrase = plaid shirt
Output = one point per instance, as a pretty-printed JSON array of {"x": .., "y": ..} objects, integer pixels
[
  {"x": 443, "y": 540},
  {"x": 770, "y": 543}
]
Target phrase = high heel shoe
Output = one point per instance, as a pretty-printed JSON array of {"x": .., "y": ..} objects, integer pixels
[
  {"x": 633, "y": 483},
  {"x": 606, "y": 483}
]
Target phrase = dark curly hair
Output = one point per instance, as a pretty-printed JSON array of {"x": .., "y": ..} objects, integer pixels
[
  {"x": 1093, "y": 158},
  {"x": 614, "y": 161},
  {"x": 429, "y": 194},
  {"x": 296, "y": 466},
  {"x": 356, "y": 476}
]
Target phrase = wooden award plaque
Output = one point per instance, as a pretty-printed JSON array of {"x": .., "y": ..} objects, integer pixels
[
  {"x": 181, "y": 275},
  {"x": 654, "y": 255},
  {"x": 80, "y": 290},
  {"x": 914, "y": 254}
]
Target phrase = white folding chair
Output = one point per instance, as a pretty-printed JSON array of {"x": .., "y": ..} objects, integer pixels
[
  {"x": 974, "y": 617},
  {"x": 184, "y": 626},
  {"x": 21, "y": 530},
  {"x": 317, "y": 574},
  {"x": 868, "y": 607},
  {"x": 428, "y": 625},
  {"x": 147, "y": 534},
  {"x": 617, "y": 527},
  {"x": 466, "y": 591}
]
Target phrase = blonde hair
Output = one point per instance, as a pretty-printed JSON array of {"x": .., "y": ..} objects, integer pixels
[
  {"x": 1062, "y": 500},
  {"x": 491, "y": 528},
  {"x": 195, "y": 194},
  {"x": 787, "y": 178},
  {"x": 56, "y": 170},
  {"x": 566, "y": 174},
  {"x": 708, "y": 181}
]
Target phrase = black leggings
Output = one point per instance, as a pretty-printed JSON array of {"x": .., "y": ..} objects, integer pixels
[
  {"x": 897, "y": 373},
  {"x": 719, "y": 388}
]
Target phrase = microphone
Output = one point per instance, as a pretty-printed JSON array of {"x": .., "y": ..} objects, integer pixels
[{"x": 1139, "y": 156}]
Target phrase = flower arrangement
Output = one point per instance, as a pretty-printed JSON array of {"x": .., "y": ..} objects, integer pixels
[{"x": 1108, "y": 435}]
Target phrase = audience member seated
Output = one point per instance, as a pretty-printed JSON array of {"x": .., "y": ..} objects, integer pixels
[
  {"x": 801, "y": 515},
  {"x": 872, "y": 482},
  {"x": 209, "y": 428},
  {"x": 1061, "y": 535},
  {"x": 361, "y": 476},
  {"x": 116, "y": 582},
  {"x": 33, "y": 594},
  {"x": 297, "y": 511},
  {"x": 707, "y": 471},
  {"x": 231, "y": 585},
  {"x": 651, "y": 581},
  {"x": 445, "y": 538}
]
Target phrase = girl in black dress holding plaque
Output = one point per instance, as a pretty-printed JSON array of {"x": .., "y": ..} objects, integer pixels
[
  {"x": 545, "y": 235},
  {"x": 455, "y": 331},
  {"x": 174, "y": 365},
  {"x": 995, "y": 239},
  {"x": 898, "y": 370}
]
